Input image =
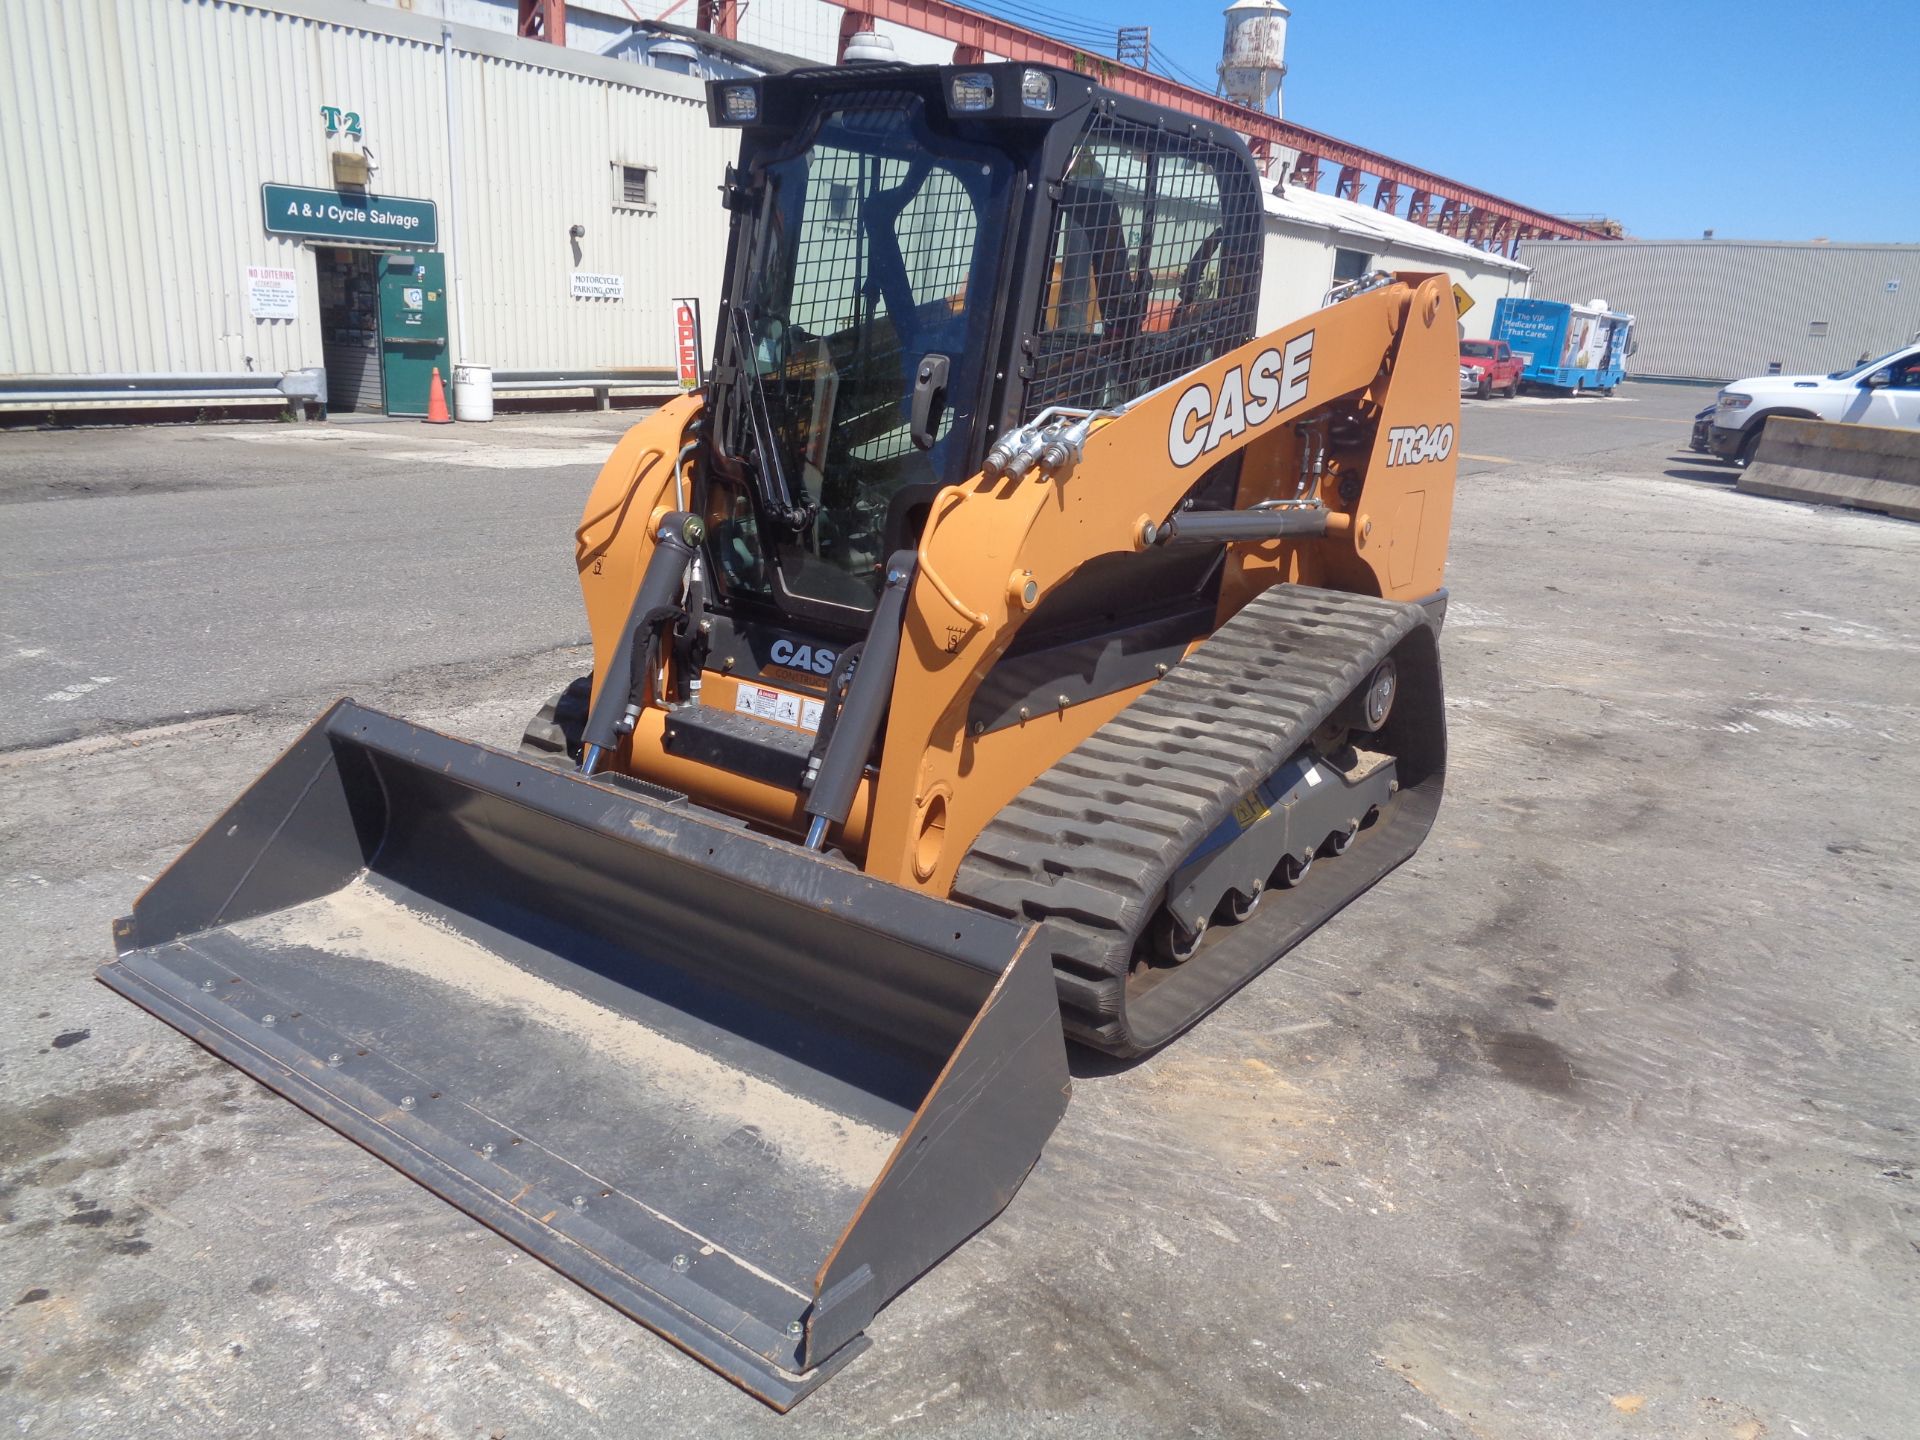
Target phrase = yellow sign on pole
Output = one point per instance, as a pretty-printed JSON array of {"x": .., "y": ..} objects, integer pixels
[{"x": 1462, "y": 301}]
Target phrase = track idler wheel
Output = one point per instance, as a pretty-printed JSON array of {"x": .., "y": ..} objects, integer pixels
[
  {"x": 1368, "y": 707},
  {"x": 1172, "y": 942},
  {"x": 1382, "y": 688}
]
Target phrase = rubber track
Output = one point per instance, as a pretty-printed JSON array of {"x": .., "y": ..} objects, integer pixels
[{"x": 1087, "y": 847}]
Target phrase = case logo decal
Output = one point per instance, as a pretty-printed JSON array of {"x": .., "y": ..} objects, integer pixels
[
  {"x": 1203, "y": 421},
  {"x": 815, "y": 658}
]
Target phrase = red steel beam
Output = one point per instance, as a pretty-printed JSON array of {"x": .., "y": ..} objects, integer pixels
[
  {"x": 719, "y": 17},
  {"x": 991, "y": 34},
  {"x": 852, "y": 23},
  {"x": 543, "y": 20}
]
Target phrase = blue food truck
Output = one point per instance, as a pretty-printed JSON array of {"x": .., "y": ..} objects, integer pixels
[{"x": 1566, "y": 347}]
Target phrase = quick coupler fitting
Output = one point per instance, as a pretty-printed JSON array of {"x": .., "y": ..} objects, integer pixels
[
  {"x": 1063, "y": 451},
  {"x": 1028, "y": 454}
]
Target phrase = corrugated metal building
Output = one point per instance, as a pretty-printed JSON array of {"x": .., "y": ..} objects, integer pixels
[
  {"x": 136, "y": 137},
  {"x": 572, "y": 196},
  {"x": 1313, "y": 239},
  {"x": 1724, "y": 309}
]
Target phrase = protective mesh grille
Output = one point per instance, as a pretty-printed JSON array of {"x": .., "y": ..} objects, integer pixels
[
  {"x": 868, "y": 192},
  {"x": 1154, "y": 266},
  {"x": 871, "y": 236}
]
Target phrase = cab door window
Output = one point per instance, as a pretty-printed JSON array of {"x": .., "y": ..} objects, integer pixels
[{"x": 873, "y": 242}]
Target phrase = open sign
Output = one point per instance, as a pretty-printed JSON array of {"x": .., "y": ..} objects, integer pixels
[{"x": 686, "y": 343}]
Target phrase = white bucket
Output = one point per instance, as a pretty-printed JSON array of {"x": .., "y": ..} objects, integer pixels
[{"x": 473, "y": 392}]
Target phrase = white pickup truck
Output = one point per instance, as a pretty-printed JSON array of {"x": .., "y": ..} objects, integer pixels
[{"x": 1880, "y": 392}]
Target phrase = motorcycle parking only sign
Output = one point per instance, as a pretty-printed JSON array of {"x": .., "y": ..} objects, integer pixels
[{"x": 598, "y": 287}]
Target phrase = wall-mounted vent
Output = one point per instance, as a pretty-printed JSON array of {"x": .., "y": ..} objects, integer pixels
[{"x": 633, "y": 186}]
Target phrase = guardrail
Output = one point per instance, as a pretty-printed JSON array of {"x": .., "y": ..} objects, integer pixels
[
  {"x": 297, "y": 387},
  {"x": 302, "y": 387},
  {"x": 601, "y": 382}
]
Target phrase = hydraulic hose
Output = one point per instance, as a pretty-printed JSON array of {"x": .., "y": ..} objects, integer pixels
[{"x": 658, "y": 597}]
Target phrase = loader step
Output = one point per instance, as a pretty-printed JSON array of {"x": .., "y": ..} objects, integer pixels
[
  {"x": 1090, "y": 846},
  {"x": 742, "y": 744}
]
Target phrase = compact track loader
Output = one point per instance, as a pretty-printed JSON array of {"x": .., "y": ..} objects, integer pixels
[{"x": 1008, "y": 644}]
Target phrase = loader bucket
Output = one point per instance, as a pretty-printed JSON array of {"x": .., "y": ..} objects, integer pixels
[{"x": 740, "y": 1092}]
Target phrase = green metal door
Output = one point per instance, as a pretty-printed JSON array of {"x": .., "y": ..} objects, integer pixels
[{"x": 413, "y": 329}]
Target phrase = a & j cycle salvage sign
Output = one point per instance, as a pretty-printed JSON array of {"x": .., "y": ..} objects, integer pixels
[{"x": 344, "y": 215}]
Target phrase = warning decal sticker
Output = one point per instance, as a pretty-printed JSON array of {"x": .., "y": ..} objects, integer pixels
[{"x": 782, "y": 707}]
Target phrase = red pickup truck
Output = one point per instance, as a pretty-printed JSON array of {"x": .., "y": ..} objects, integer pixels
[{"x": 1499, "y": 367}]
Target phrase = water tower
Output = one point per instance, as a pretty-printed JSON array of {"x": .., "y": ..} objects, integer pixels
[{"x": 1253, "y": 60}]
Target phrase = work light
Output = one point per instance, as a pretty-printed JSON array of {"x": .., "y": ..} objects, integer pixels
[{"x": 972, "y": 92}]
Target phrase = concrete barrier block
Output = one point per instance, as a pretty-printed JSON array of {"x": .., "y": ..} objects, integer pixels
[{"x": 1864, "y": 467}]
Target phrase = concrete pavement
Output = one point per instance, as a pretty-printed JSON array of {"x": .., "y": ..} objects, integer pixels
[
  {"x": 218, "y": 568},
  {"x": 1597, "y": 1119}
]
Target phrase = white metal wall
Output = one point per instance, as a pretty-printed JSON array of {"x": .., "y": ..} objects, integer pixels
[
  {"x": 538, "y": 151},
  {"x": 592, "y": 25},
  {"x": 807, "y": 28},
  {"x": 811, "y": 30},
  {"x": 1726, "y": 309},
  {"x": 1298, "y": 271},
  {"x": 135, "y": 136}
]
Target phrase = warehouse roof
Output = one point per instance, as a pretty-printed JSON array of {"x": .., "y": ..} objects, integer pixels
[
  {"x": 1377, "y": 227},
  {"x": 1689, "y": 243},
  {"x": 756, "y": 57}
]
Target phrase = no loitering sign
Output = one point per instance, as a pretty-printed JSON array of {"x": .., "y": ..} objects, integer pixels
[{"x": 272, "y": 293}]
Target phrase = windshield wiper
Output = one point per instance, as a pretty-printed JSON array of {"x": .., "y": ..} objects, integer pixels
[{"x": 777, "y": 499}]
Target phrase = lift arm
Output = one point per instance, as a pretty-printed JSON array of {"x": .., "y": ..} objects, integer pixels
[{"x": 996, "y": 546}]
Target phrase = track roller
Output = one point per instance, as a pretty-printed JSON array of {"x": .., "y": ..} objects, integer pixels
[
  {"x": 1293, "y": 869},
  {"x": 1238, "y": 905}
]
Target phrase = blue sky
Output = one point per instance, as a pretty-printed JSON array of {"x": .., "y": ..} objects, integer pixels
[{"x": 1757, "y": 119}]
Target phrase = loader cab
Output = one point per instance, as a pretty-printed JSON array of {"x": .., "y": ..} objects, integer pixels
[{"x": 920, "y": 258}]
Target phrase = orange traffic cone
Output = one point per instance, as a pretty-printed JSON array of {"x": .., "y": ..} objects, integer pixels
[{"x": 437, "y": 401}]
